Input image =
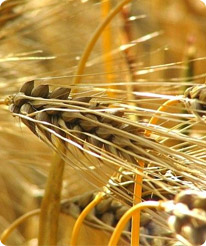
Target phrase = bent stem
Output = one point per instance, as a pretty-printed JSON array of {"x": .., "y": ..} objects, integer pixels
[
  {"x": 13, "y": 226},
  {"x": 82, "y": 216},
  {"x": 93, "y": 40},
  {"x": 162, "y": 108},
  {"x": 50, "y": 207},
  {"x": 135, "y": 230},
  {"x": 125, "y": 218}
]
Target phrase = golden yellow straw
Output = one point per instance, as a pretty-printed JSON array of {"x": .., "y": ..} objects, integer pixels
[
  {"x": 13, "y": 226},
  {"x": 125, "y": 218},
  {"x": 107, "y": 47},
  {"x": 82, "y": 216},
  {"x": 162, "y": 108},
  {"x": 135, "y": 230}
]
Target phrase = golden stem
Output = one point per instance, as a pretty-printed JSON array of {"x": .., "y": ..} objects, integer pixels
[
  {"x": 107, "y": 48},
  {"x": 162, "y": 108},
  {"x": 138, "y": 181},
  {"x": 13, "y": 226},
  {"x": 125, "y": 218},
  {"x": 135, "y": 230},
  {"x": 82, "y": 216},
  {"x": 50, "y": 207},
  {"x": 93, "y": 40}
]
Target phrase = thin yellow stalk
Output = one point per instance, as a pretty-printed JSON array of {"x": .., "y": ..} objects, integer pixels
[
  {"x": 80, "y": 69},
  {"x": 93, "y": 40},
  {"x": 13, "y": 226},
  {"x": 106, "y": 46},
  {"x": 162, "y": 108},
  {"x": 135, "y": 227},
  {"x": 135, "y": 230},
  {"x": 50, "y": 207},
  {"x": 82, "y": 216},
  {"x": 138, "y": 181},
  {"x": 125, "y": 218}
]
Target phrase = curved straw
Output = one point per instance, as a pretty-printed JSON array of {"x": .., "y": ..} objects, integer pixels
[
  {"x": 93, "y": 40},
  {"x": 82, "y": 216},
  {"x": 16, "y": 223},
  {"x": 125, "y": 218},
  {"x": 162, "y": 108}
]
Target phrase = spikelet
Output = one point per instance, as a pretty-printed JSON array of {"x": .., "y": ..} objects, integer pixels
[
  {"x": 81, "y": 120},
  {"x": 99, "y": 139},
  {"x": 197, "y": 101}
]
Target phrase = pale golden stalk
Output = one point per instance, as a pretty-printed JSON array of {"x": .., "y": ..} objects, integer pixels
[{"x": 50, "y": 207}]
